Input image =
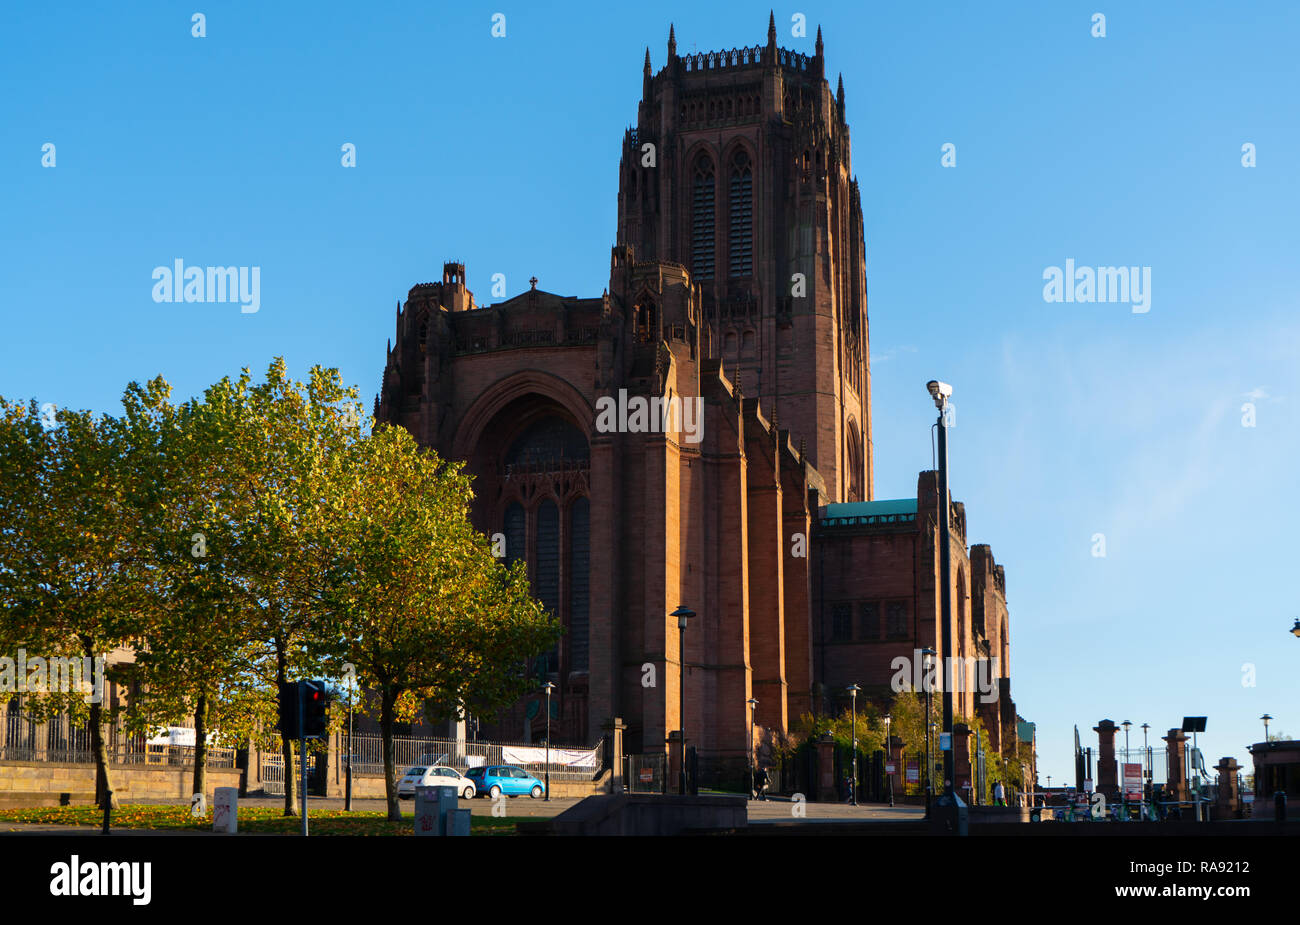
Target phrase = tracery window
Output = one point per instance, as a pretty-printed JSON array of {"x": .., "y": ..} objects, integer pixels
[
  {"x": 703, "y": 239},
  {"x": 740, "y": 245}
]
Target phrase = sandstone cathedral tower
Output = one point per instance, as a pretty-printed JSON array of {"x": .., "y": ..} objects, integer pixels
[{"x": 737, "y": 281}]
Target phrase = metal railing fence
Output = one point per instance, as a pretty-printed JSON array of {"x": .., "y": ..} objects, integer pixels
[
  {"x": 461, "y": 755},
  {"x": 58, "y": 738}
]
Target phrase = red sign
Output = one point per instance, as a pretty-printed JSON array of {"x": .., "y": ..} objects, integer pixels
[
  {"x": 913, "y": 772},
  {"x": 647, "y": 775},
  {"x": 1133, "y": 781},
  {"x": 889, "y": 768}
]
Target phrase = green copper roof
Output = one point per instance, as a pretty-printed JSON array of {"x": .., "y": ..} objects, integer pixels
[
  {"x": 871, "y": 508},
  {"x": 899, "y": 510},
  {"x": 1026, "y": 731}
]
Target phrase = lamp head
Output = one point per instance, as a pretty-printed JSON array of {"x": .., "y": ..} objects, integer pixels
[
  {"x": 682, "y": 613},
  {"x": 1295, "y": 630}
]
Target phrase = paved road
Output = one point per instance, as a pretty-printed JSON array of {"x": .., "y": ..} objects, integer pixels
[{"x": 760, "y": 812}]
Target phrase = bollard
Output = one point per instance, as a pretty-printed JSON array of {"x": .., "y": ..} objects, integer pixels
[
  {"x": 1279, "y": 806},
  {"x": 108, "y": 810}
]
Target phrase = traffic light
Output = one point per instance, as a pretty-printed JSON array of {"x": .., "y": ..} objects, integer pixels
[
  {"x": 316, "y": 710},
  {"x": 290, "y": 691}
]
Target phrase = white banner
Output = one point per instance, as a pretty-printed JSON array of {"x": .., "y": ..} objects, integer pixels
[
  {"x": 178, "y": 735},
  {"x": 568, "y": 757}
]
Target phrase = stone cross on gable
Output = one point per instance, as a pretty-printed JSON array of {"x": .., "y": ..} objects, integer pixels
[{"x": 532, "y": 282}]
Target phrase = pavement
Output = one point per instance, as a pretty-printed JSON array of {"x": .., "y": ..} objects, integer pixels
[{"x": 761, "y": 812}]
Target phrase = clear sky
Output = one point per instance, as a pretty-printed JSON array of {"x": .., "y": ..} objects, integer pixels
[{"x": 1072, "y": 418}]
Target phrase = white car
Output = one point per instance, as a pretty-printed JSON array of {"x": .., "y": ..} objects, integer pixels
[{"x": 434, "y": 776}]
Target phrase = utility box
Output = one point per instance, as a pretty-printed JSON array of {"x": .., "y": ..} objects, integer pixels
[
  {"x": 225, "y": 810},
  {"x": 432, "y": 807},
  {"x": 949, "y": 816},
  {"x": 458, "y": 821}
]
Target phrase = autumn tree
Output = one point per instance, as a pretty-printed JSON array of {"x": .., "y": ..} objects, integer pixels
[
  {"x": 199, "y": 624},
  {"x": 275, "y": 443},
  {"x": 72, "y": 569},
  {"x": 429, "y": 614}
]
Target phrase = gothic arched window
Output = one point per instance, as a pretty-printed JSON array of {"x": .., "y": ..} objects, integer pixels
[
  {"x": 514, "y": 532},
  {"x": 703, "y": 245},
  {"x": 854, "y": 462},
  {"x": 741, "y": 208},
  {"x": 546, "y": 580},
  {"x": 579, "y": 567}
]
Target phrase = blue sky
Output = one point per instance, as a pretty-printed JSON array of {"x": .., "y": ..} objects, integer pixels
[{"x": 1072, "y": 418}]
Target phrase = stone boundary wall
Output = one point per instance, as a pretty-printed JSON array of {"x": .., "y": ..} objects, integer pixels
[{"x": 45, "y": 783}]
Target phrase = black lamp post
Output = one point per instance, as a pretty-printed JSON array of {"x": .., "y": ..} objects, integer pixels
[
  {"x": 682, "y": 613},
  {"x": 940, "y": 392},
  {"x": 548, "y": 687},
  {"x": 753, "y": 707},
  {"x": 1266, "y": 718},
  {"x": 889, "y": 778},
  {"x": 1146, "y": 761},
  {"x": 1123, "y": 778},
  {"x": 853, "y": 785},
  {"x": 347, "y": 801},
  {"x": 927, "y": 654}
]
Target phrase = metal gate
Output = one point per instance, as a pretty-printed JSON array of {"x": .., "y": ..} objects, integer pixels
[
  {"x": 273, "y": 774},
  {"x": 645, "y": 773}
]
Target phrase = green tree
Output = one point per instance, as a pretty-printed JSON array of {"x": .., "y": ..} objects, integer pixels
[
  {"x": 189, "y": 659},
  {"x": 428, "y": 613},
  {"x": 277, "y": 442},
  {"x": 72, "y": 569}
]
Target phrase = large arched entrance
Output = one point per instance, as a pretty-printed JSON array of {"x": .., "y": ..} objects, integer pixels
[{"x": 531, "y": 468}]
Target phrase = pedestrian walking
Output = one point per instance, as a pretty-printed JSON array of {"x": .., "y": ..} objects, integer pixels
[{"x": 999, "y": 794}]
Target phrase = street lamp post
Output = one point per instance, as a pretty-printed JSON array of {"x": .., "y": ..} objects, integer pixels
[
  {"x": 941, "y": 392},
  {"x": 889, "y": 778},
  {"x": 347, "y": 792},
  {"x": 853, "y": 785},
  {"x": 1123, "y": 779},
  {"x": 548, "y": 687},
  {"x": 682, "y": 613},
  {"x": 927, "y": 654},
  {"x": 1146, "y": 761},
  {"x": 753, "y": 708},
  {"x": 1295, "y": 630}
]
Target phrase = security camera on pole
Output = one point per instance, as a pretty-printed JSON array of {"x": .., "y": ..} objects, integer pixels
[{"x": 950, "y": 814}]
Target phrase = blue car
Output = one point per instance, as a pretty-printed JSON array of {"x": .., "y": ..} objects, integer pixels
[{"x": 495, "y": 780}]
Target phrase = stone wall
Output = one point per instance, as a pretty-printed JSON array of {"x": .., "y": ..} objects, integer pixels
[{"x": 46, "y": 783}]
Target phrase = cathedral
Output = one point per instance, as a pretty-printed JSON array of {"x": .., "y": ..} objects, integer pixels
[{"x": 736, "y": 313}]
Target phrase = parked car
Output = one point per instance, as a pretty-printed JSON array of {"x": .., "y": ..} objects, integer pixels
[
  {"x": 496, "y": 780},
  {"x": 434, "y": 776}
]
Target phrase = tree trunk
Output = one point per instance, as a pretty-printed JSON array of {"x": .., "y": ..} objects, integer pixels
[
  {"x": 388, "y": 700},
  {"x": 201, "y": 745},
  {"x": 290, "y": 776},
  {"x": 98, "y": 744},
  {"x": 286, "y": 744}
]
